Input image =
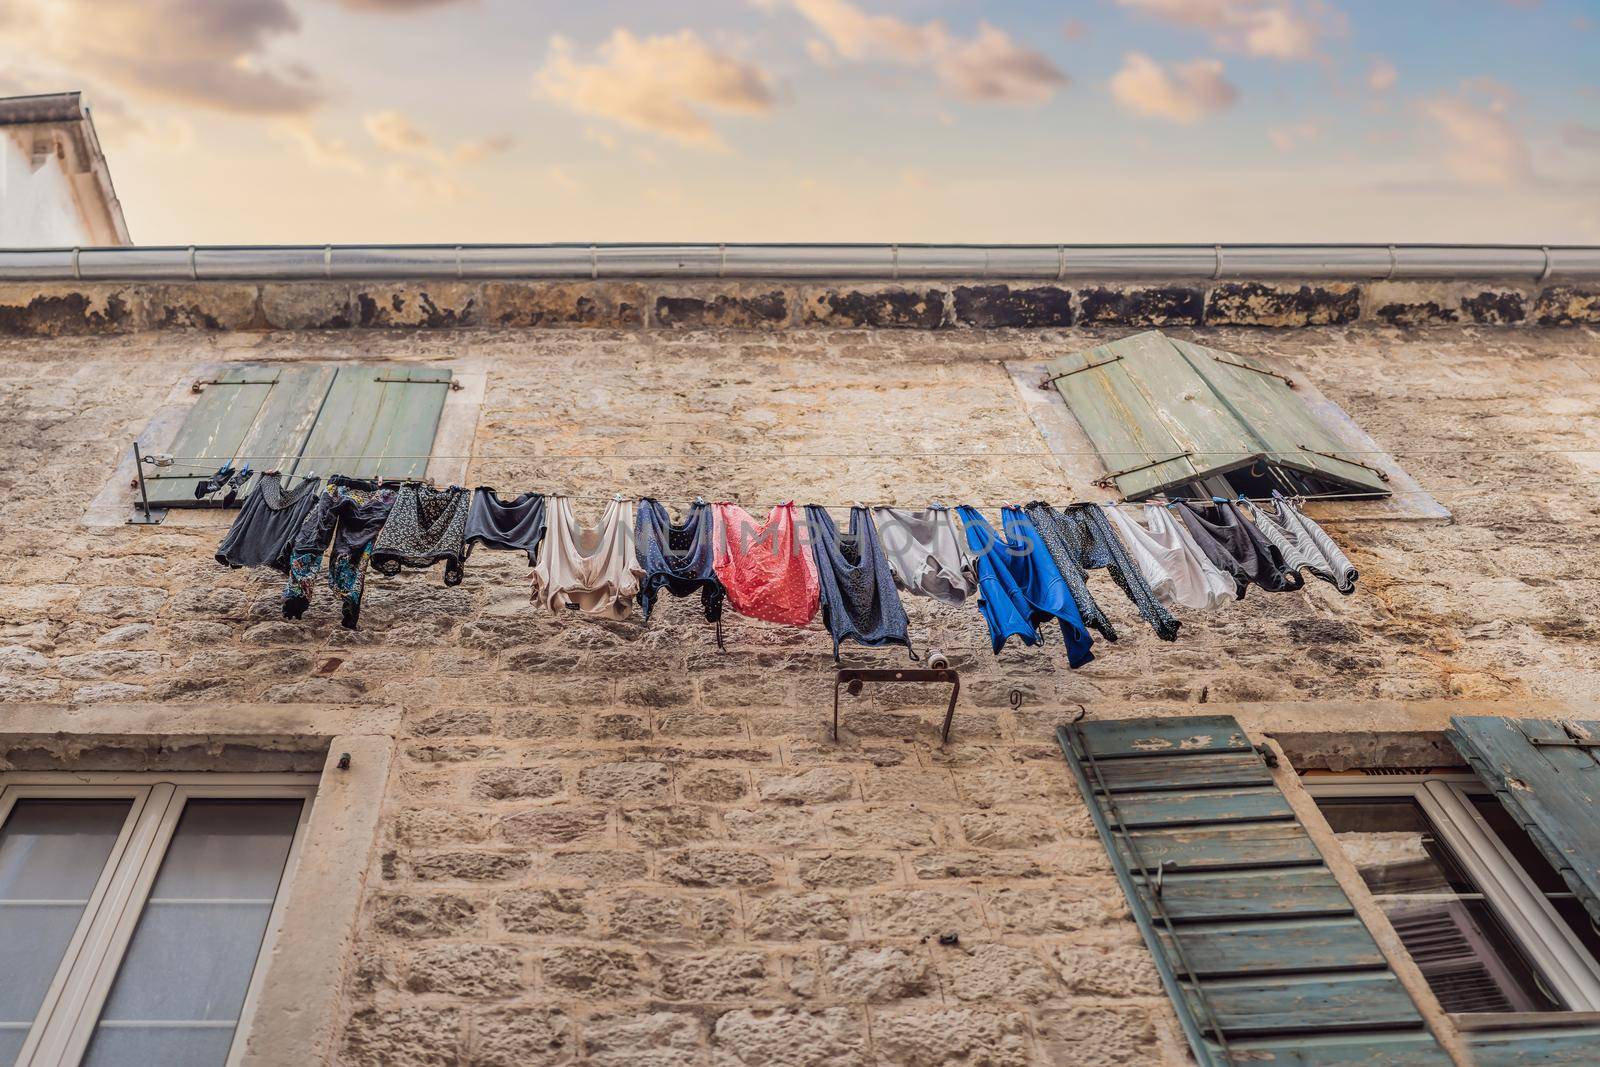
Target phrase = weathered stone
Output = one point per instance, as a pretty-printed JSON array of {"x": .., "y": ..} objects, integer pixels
[
  {"x": 296, "y": 306},
  {"x": 517, "y": 783},
  {"x": 800, "y": 917},
  {"x": 468, "y": 866},
  {"x": 1426, "y": 313},
  {"x": 715, "y": 785},
  {"x": 431, "y": 305},
  {"x": 701, "y": 724},
  {"x": 782, "y": 828},
  {"x": 1141, "y": 307},
  {"x": 993, "y": 829},
  {"x": 1114, "y": 971},
  {"x": 1052, "y": 911},
  {"x": 63, "y": 310},
  {"x": 880, "y": 308},
  {"x": 626, "y": 782},
  {"x": 457, "y": 722},
  {"x": 593, "y": 972},
  {"x": 655, "y": 916},
  {"x": 1099, "y": 1036},
  {"x": 651, "y": 1039},
  {"x": 466, "y": 971},
  {"x": 992, "y": 306},
  {"x": 562, "y": 304},
  {"x": 542, "y": 911},
  {"x": 956, "y": 1037},
  {"x": 122, "y": 601},
  {"x": 717, "y": 867},
  {"x": 882, "y": 827},
  {"x": 404, "y": 1037},
  {"x": 712, "y": 975},
  {"x": 541, "y": 724},
  {"x": 1495, "y": 309},
  {"x": 832, "y": 1037},
  {"x": 418, "y": 915},
  {"x": 621, "y": 727},
  {"x": 197, "y": 306},
  {"x": 18, "y": 658},
  {"x": 1255, "y": 304},
  {"x": 1565, "y": 305},
  {"x": 742, "y": 310},
  {"x": 923, "y": 913},
  {"x": 875, "y": 972},
  {"x": 553, "y": 826},
  {"x": 817, "y": 786},
  {"x": 996, "y": 972},
  {"x": 597, "y": 868},
  {"x": 666, "y": 827},
  {"x": 440, "y": 826},
  {"x": 848, "y": 870},
  {"x": 520, "y": 1037}
]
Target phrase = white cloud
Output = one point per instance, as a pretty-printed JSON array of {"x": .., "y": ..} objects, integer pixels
[
  {"x": 1382, "y": 76},
  {"x": 1297, "y": 134},
  {"x": 1275, "y": 29},
  {"x": 662, "y": 84},
  {"x": 561, "y": 179},
  {"x": 209, "y": 53},
  {"x": 394, "y": 132},
  {"x": 1185, "y": 92},
  {"x": 323, "y": 151},
  {"x": 988, "y": 67},
  {"x": 1483, "y": 146}
]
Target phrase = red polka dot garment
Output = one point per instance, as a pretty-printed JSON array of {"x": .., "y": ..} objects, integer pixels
[{"x": 767, "y": 569}]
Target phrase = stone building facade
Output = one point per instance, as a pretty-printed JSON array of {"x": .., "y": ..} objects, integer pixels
[{"x": 559, "y": 840}]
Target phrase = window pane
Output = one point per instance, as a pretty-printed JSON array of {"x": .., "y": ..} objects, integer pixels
[
  {"x": 181, "y": 986},
  {"x": 51, "y": 855},
  {"x": 1518, "y": 843},
  {"x": 1462, "y": 947}
]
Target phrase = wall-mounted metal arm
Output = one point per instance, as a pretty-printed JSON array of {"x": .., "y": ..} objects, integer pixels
[{"x": 851, "y": 681}]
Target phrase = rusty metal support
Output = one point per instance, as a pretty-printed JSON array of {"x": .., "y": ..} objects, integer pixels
[{"x": 852, "y": 681}]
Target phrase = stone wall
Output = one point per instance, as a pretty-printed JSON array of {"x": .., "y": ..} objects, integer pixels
[{"x": 610, "y": 843}]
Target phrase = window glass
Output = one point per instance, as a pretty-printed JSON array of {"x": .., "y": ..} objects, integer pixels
[
  {"x": 1460, "y": 944},
  {"x": 182, "y": 983},
  {"x": 1531, "y": 860},
  {"x": 51, "y": 856}
]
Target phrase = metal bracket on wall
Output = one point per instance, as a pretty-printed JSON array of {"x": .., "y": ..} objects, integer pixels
[
  {"x": 852, "y": 680},
  {"x": 144, "y": 514},
  {"x": 1051, "y": 379},
  {"x": 1382, "y": 474},
  {"x": 1109, "y": 481}
]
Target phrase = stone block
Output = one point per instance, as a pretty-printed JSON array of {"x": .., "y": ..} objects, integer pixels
[
  {"x": 122, "y": 601},
  {"x": 1558, "y": 305},
  {"x": 1135, "y": 306},
  {"x": 1423, "y": 313},
  {"x": 542, "y": 911},
  {"x": 416, "y": 305},
  {"x": 1122, "y": 971},
  {"x": 641, "y": 916},
  {"x": 820, "y": 785},
  {"x": 714, "y": 867},
  {"x": 744, "y": 309},
  {"x": 199, "y": 306},
  {"x": 453, "y": 722},
  {"x": 626, "y": 782},
  {"x": 848, "y": 870},
  {"x": 705, "y": 976},
  {"x": 604, "y": 305},
  {"x": 424, "y": 915},
  {"x": 990, "y": 306},
  {"x": 994, "y": 829},
  {"x": 779, "y": 828},
  {"x": 666, "y": 827},
  {"x": 541, "y": 724},
  {"x": 1256, "y": 304},
  {"x": 516, "y": 783},
  {"x": 832, "y": 1037},
  {"x": 554, "y": 826},
  {"x": 882, "y": 827},
  {"x": 65, "y": 309},
  {"x": 466, "y": 971},
  {"x": 404, "y": 1036},
  {"x": 715, "y": 785},
  {"x": 701, "y": 724},
  {"x": 1489, "y": 308},
  {"x": 993, "y": 971},
  {"x": 307, "y": 306},
  {"x": 860, "y": 972},
  {"x": 936, "y": 865},
  {"x": 1032, "y": 912},
  {"x": 923, "y": 913},
  {"x": 647, "y": 1039},
  {"x": 468, "y": 866},
  {"x": 441, "y": 826},
  {"x": 956, "y": 1038},
  {"x": 521, "y": 1037},
  {"x": 595, "y": 973},
  {"x": 799, "y": 917},
  {"x": 1102, "y": 1035},
  {"x": 876, "y": 308},
  {"x": 597, "y": 868}
]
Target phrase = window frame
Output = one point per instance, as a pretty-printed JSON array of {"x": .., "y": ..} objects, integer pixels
[
  {"x": 65, "y": 1022},
  {"x": 1572, "y": 972}
]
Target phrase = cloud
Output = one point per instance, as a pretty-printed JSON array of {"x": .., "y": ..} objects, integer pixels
[
  {"x": 1483, "y": 146},
  {"x": 989, "y": 67},
  {"x": 1382, "y": 76},
  {"x": 1186, "y": 92},
  {"x": 661, "y": 84},
  {"x": 1295, "y": 135},
  {"x": 1274, "y": 29},
  {"x": 1578, "y": 135},
  {"x": 393, "y": 7},
  {"x": 209, "y": 53},
  {"x": 396, "y": 133},
  {"x": 323, "y": 151}
]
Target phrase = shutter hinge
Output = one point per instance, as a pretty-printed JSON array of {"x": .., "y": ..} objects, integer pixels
[
  {"x": 1106, "y": 482},
  {"x": 451, "y": 382},
  {"x": 1051, "y": 379},
  {"x": 1382, "y": 474},
  {"x": 1269, "y": 757},
  {"x": 1557, "y": 742},
  {"x": 1284, "y": 378},
  {"x": 200, "y": 384}
]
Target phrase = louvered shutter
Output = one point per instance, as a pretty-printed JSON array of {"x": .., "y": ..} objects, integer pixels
[
  {"x": 1259, "y": 948},
  {"x": 378, "y": 422},
  {"x": 1547, "y": 775},
  {"x": 250, "y": 413},
  {"x": 1162, "y": 412}
]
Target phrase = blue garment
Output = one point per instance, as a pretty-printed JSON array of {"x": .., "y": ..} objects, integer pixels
[
  {"x": 677, "y": 558},
  {"x": 859, "y": 600},
  {"x": 1019, "y": 586}
]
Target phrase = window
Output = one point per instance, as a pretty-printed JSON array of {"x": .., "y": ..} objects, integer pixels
[
  {"x": 364, "y": 420},
  {"x": 1489, "y": 922},
  {"x": 1169, "y": 416},
  {"x": 136, "y": 911}
]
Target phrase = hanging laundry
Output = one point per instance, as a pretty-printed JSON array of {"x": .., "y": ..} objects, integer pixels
[
  {"x": 590, "y": 569},
  {"x": 348, "y": 515},
  {"x": 262, "y": 534},
  {"x": 1104, "y": 548},
  {"x": 1304, "y": 544},
  {"x": 494, "y": 523},
  {"x": 1065, "y": 541},
  {"x": 1235, "y": 545},
  {"x": 214, "y": 483},
  {"x": 856, "y": 590},
  {"x": 1176, "y": 569},
  {"x": 768, "y": 573},
  {"x": 425, "y": 526},
  {"x": 926, "y": 552},
  {"x": 678, "y": 558},
  {"x": 1018, "y": 585}
]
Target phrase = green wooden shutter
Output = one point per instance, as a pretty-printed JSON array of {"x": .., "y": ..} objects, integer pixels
[
  {"x": 1547, "y": 775},
  {"x": 1259, "y": 948},
  {"x": 1162, "y": 412},
  {"x": 378, "y": 422},
  {"x": 250, "y": 413}
]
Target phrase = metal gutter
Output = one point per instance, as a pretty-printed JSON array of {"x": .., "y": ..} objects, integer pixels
[{"x": 878, "y": 262}]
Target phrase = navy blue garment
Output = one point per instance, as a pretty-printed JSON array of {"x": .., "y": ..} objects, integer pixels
[
  {"x": 1019, "y": 586},
  {"x": 495, "y": 523},
  {"x": 677, "y": 558},
  {"x": 856, "y": 589}
]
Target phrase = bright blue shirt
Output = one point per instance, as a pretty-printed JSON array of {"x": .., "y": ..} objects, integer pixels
[{"x": 1019, "y": 586}]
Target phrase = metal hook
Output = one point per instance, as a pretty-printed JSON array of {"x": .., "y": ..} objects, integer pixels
[
  {"x": 1083, "y": 713},
  {"x": 1015, "y": 697}
]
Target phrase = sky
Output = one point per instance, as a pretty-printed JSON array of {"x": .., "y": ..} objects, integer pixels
[{"x": 1073, "y": 121}]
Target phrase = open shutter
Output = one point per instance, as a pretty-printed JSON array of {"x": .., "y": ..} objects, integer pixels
[
  {"x": 378, "y": 422},
  {"x": 1260, "y": 950},
  {"x": 1290, "y": 433},
  {"x": 1547, "y": 775},
  {"x": 250, "y": 413}
]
